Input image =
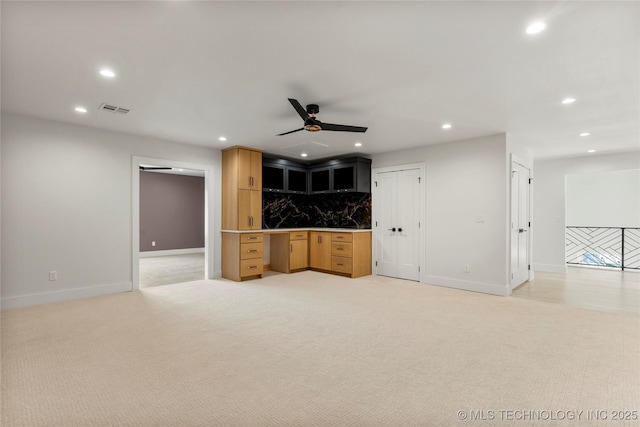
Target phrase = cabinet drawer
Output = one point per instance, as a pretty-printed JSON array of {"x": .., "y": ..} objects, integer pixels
[
  {"x": 341, "y": 249},
  {"x": 342, "y": 237},
  {"x": 251, "y": 267},
  {"x": 250, "y": 237},
  {"x": 298, "y": 235},
  {"x": 251, "y": 250},
  {"x": 341, "y": 264}
]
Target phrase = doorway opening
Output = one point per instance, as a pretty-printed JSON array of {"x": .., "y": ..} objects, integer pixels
[
  {"x": 167, "y": 248},
  {"x": 398, "y": 221}
]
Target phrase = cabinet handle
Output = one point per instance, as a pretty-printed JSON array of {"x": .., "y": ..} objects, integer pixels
[
  {"x": 252, "y": 267},
  {"x": 252, "y": 250},
  {"x": 339, "y": 249},
  {"x": 252, "y": 238},
  {"x": 292, "y": 248},
  {"x": 319, "y": 239},
  {"x": 341, "y": 265},
  {"x": 340, "y": 237}
]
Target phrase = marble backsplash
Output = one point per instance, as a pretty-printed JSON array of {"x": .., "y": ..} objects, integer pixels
[{"x": 346, "y": 210}]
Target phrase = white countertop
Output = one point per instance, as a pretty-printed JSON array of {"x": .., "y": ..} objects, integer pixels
[{"x": 286, "y": 230}]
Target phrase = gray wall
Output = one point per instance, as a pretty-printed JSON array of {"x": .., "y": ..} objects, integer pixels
[
  {"x": 67, "y": 206},
  {"x": 171, "y": 211},
  {"x": 464, "y": 180}
]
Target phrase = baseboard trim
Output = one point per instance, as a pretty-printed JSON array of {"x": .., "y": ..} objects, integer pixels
[
  {"x": 550, "y": 268},
  {"x": 148, "y": 254},
  {"x": 65, "y": 295},
  {"x": 465, "y": 285}
]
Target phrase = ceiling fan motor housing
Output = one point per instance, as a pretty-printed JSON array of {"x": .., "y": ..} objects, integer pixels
[{"x": 313, "y": 109}]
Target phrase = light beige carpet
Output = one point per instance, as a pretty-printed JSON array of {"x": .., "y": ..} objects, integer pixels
[{"x": 310, "y": 349}]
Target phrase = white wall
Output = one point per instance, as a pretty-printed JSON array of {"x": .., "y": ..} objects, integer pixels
[
  {"x": 608, "y": 199},
  {"x": 548, "y": 219},
  {"x": 66, "y": 206},
  {"x": 464, "y": 180}
]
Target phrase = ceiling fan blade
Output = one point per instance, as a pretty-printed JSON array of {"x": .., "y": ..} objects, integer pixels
[
  {"x": 342, "y": 128},
  {"x": 299, "y": 109},
  {"x": 291, "y": 131}
]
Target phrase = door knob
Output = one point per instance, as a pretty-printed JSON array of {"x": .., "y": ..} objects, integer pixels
[
  {"x": 522, "y": 230},
  {"x": 392, "y": 229},
  {"x": 400, "y": 230}
]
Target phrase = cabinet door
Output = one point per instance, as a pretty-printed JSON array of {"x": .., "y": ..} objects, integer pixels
[
  {"x": 273, "y": 177},
  {"x": 244, "y": 169},
  {"x": 249, "y": 170},
  {"x": 344, "y": 177},
  {"x": 298, "y": 254},
  {"x": 256, "y": 170},
  {"x": 320, "y": 250},
  {"x": 249, "y": 210},
  {"x": 297, "y": 180},
  {"x": 320, "y": 180},
  {"x": 256, "y": 210}
]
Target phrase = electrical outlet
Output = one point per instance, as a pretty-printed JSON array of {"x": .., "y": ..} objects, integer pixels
[
  {"x": 466, "y": 268},
  {"x": 53, "y": 275},
  {"x": 153, "y": 243}
]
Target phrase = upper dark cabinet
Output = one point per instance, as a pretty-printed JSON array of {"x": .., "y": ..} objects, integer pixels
[
  {"x": 352, "y": 174},
  {"x": 284, "y": 176},
  {"x": 272, "y": 177},
  {"x": 297, "y": 180},
  {"x": 320, "y": 179}
]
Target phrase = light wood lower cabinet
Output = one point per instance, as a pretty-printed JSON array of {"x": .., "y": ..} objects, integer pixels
[
  {"x": 320, "y": 250},
  {"x": 351, "y": 254},
  {"x": 344, "y": 253},
  {"x": 242, "y": 255},
  {"x": 289, "y": 251}
]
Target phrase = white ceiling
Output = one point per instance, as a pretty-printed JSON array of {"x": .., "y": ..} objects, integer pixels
[{"x": 193, "y": 71}]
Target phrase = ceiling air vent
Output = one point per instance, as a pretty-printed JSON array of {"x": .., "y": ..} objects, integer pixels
[{"x": 113, "y": 109}]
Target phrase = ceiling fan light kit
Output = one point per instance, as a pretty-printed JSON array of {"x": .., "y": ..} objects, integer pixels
[{"x": 311, "y": 124}]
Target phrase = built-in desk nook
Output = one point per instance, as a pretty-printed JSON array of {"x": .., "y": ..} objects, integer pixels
[
  {"x": 318, "y": 197},
  {"x": 346, "y": 252}
]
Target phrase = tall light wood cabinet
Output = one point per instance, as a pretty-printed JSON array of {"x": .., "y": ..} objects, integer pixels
[
  {"x": 241, "y": 189},
  {"x": 242, "y": 254}
]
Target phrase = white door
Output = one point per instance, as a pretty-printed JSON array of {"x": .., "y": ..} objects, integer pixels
[
  {"x": 519, "y": 224},
  {"x": 397, "y": 223}
]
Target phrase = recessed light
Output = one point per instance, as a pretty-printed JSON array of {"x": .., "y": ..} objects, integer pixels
[
  {"x": 303, "y": 155},
  {"x": 568, "y": 100},
  {"x": 591, "y": 151},
  {"x": 107, "y": 73},
  {"x": 446, "y": 126},
  {"x": 585, "y": 134},
  {"x": 80, "y": 110},
  {"x": 358, "y": 144},
  {"x": 536, "y": 27},
  {"x": 222, "y": 138}
]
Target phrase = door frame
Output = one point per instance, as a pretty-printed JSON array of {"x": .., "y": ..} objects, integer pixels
[
  {"x": 211, "y": 239},
  {"x": 516, "y": 160},
  {"x": 421, "y": 203}
]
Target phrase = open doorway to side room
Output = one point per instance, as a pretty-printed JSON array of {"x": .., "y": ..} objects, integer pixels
[
  {"x": 171, "y": 242},
  {"x": 602, "y": 246}
]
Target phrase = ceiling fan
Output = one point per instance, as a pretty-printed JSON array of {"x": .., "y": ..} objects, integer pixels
[{"x": 312, "y": 124}]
